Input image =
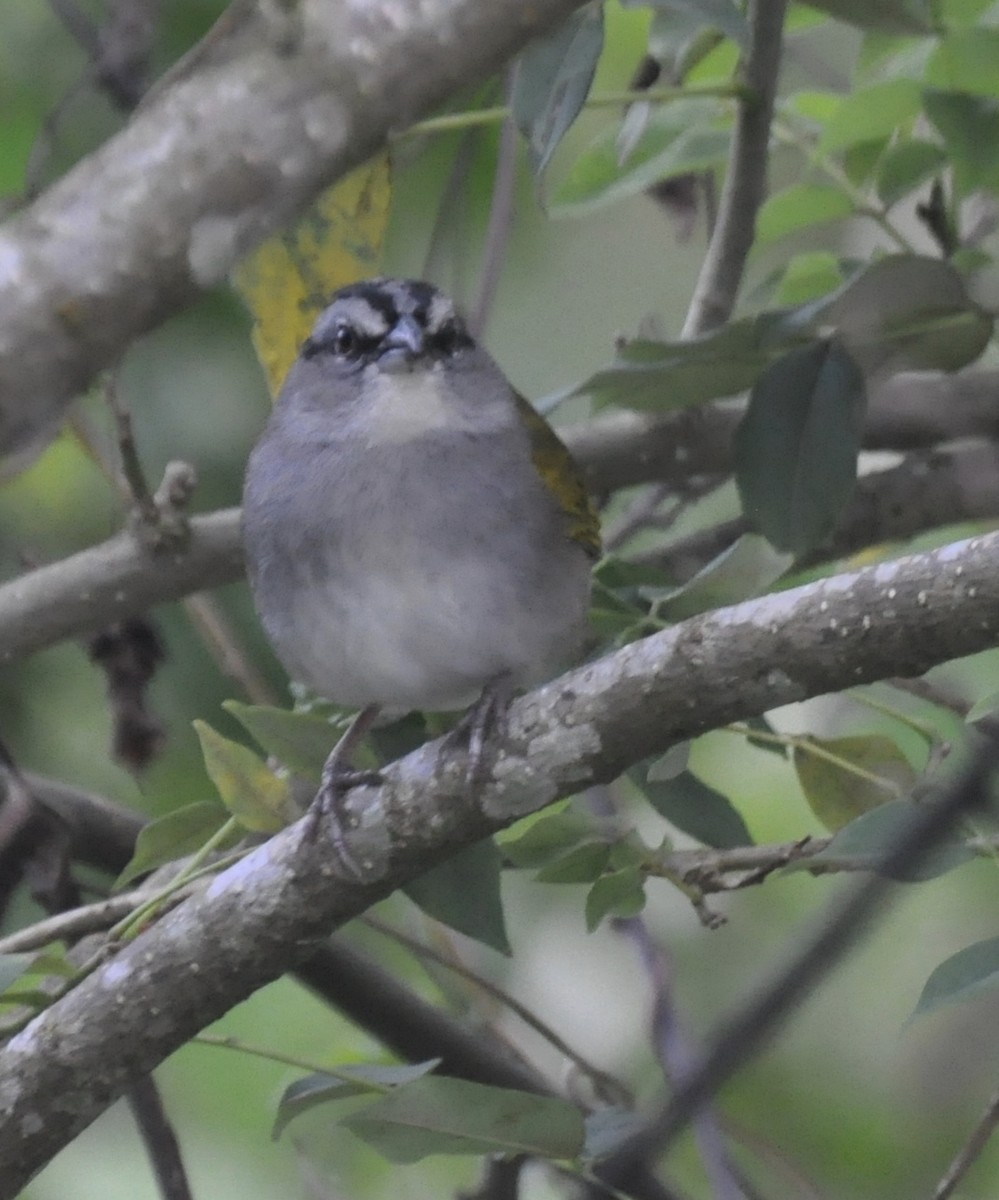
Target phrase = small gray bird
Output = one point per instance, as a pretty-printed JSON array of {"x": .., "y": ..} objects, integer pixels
[{"x": 416, "y": 535}]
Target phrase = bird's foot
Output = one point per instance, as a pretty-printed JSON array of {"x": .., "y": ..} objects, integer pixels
[
  {"x": 328, "y": 808},
  {"x": 481, "y": 730}
]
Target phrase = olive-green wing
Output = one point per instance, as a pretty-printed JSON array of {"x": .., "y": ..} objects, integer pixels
[{"x": 558, "y": 469}]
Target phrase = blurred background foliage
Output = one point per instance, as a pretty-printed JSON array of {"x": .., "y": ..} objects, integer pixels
[{"x": 846, "y": 1104}]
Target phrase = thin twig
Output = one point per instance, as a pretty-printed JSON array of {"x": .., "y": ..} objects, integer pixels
[
  {"x": 745, "y": 182},
  {"x": 159, "y": 1139},
  {"x": 677, "y": 1057},
  {"x": 219, "y": 637},
  {"x": 969, "y": 1152},
  {"x": 749, "y": 1027},
  {"x": 605, "y": 1084},
  {"x": 500, "y": 224}
]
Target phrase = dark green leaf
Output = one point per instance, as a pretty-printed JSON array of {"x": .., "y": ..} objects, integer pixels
[
  {"x": 800, "y": 206},
  {"x": 355, "y": 1079},
  {"x": 661, "y": 376},
  {"x": 437, "y": 1115},
  {"x": 553, "y": 79},
  {"x": 464, "y": 892},
  {"x": 697, "y": 809},
  {"x": 863, "y": 843},
  {"x": 970, "y": 129},
  {"x": 970, "y": 972},
  {"x": 905, "y": 311},
  {"x": 835, "y": 793},
  {"x": 300, "y": 740},
  {"x": 746, "y": 569},
  {"x": 796, "y": 448},
  {"x": 179, "y": 833},
  {"x": 679, "y": 138},
  {"x": 905, "y": 166},
  {"x": 884, "y": 16},
  {"x": 617, "y": 894}
]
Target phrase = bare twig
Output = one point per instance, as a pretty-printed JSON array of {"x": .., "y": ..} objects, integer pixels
[
  {"x": 677, "y": 1057},
  {"x": 747, "y": 1030},
  {"x": 159, "y": 1139},
  {"x": 966, "y": 1157},
  {"x": 500, "y": 222},
  {"x": 745, "y": 181}
]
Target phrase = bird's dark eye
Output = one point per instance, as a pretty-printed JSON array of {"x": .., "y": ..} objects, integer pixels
[
  {"x": 450, "y": 338},
  {"x": 345, "y": 341}
]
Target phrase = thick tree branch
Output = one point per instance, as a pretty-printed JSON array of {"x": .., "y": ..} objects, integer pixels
[
  {"x": 276, "y": 104},
  {"x": 122, "y": 577},
  {"x": 118, "y": 578},
  {"x": 927, "y": 490},
  {"x": 264, "y": 915}
]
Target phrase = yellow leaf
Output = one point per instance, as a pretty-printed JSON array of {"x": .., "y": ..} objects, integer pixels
[
  {"x": 287, "y": 281},
  {"x": 250, "y": 790}
]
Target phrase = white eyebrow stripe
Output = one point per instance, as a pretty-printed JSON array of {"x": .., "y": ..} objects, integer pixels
[
  {"x": 441, "y": 311},
  {"x": 364, "y": 317}
]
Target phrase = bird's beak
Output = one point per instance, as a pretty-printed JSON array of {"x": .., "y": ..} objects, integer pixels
[{"x": 403, "y": 345}]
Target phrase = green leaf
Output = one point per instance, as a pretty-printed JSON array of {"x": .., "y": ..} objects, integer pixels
[
  {"x": 617, "y": 894},
  {"x": 437, "y": 1115},
  {"x": 464, "y": 893},
  {"x": 746, "y": 569},
  {"x": 836, "y": 794},
  {"x": 863, "y": 843},
  {"x": 809, "y": 274},
  {"x": 354, "y": 1079},
  {"x": 582, "y": 864},
  {"x": 905, "y": 311},
  {"x": 798, "y": 207},
  {"x": 548, "y": 838},
  {"x": 174, "y": 836},
  {"x": 250, "y": 790},
  {"x": 12, "y": 967},
  {"x": 302, "y": 741},
  {"x": 680, "y": 138},
  {"x": 796, "y": 447},
  {"x": 872, "y": 113},
  {"x": 970, "y": 972},
  {"x": 662, "y": 376},
  {"x": 699, "y": 810},
  {"x": 965, "y": 60},
  {"x": 884, "y": 16},
  {"x": 970, "y": 129},
  {"x": 905, "y": 166},
  {"x": 553, "y": 79}
]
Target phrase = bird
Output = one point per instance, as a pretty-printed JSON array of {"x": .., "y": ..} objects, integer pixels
[{"x": 416, "y": 535}]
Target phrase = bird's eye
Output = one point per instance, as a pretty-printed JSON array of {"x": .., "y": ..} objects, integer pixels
[
  {"x": 345, "y": 341},
  {"x": 450, "y": 338}
]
